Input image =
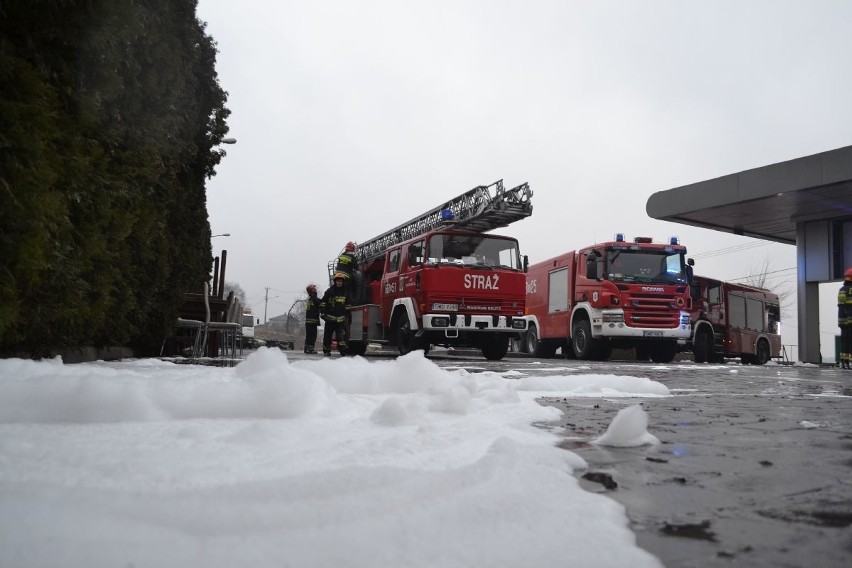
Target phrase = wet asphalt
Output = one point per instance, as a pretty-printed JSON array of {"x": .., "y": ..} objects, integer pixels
[{"x": 754, "y": 467}]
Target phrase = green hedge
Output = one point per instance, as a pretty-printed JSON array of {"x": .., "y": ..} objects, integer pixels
[{"x": 110, "y": 116}]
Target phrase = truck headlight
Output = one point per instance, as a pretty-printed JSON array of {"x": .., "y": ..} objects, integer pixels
[{"x": 613, "y": 317}]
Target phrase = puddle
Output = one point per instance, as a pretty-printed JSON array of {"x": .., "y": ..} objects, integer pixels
[
  {"x": 698, "y": 531},
  {"x": 837, "y": 519}
]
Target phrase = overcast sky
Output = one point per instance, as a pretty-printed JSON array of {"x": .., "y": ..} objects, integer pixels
[{"x": 353, "y": 117}]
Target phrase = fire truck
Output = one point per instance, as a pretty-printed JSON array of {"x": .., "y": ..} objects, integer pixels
[
  {"x": 615, "y": 294},
  {"x": 733, "y": 320},
  {"x": 440, "y": 279}
]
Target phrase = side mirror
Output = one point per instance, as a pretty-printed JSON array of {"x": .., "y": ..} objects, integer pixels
[
  {"x": 592, "y": 265},
  {"x": 526, "y": 263}
]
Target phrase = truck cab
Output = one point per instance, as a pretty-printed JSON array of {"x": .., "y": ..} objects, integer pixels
[{"x": 452, "y": 288}]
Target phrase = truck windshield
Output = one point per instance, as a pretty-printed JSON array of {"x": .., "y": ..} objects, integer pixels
[
  {"x": 474, "y": 250},
  {"x": 644, "y": 266}
]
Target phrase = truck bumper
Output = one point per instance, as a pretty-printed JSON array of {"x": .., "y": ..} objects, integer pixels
[
  {"x": 453, "y": 324},
  {"x": 618, "y": 329}
]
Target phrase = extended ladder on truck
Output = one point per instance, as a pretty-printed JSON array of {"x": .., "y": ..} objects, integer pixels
[{"x": 482, "y": 209}]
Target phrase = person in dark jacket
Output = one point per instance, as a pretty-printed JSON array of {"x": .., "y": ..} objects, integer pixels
[
  {"x": 312, "y": 315},
  {"x": 844, "y": 320},
  {"x": 347, "y": 264},
  {"x": 334, "y": 308}
]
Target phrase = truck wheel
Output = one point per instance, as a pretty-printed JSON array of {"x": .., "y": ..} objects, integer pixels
[
  {"x": 762, "y": 356},
  {"x": 406, "y": 342},
  {"x": 584, "y": 343},
  {"x": 495, "y": 347},
  {"x": 664, "y": 352},
  {"x": 531, "y": 340},
  {"x": 357, "y": 348},
  {"x": 403, "y": 335},
  {"x": 702, "y": 347}
]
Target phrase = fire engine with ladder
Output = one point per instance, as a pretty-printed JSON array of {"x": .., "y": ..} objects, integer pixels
[{"x": 443, "y": 279}]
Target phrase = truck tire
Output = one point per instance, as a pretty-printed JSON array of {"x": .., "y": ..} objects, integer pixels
[
  {"x": 762, "y": 356},
  {"x": 585, "y": 346},
  {"x": 531, "y": 340},
  {"x": 406, "y": 342},
  {"x": 702, "y": 346},
  {"x": 357, "y": 348},
  {"x": 495, "y": 347}
]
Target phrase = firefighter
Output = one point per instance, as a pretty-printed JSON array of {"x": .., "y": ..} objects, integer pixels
[
  {"x": 312, "y": 315},
  {"x": 347, "y": 264},
  {"x": 334, "y": 308},
  {"x": 844, "y": 320}
]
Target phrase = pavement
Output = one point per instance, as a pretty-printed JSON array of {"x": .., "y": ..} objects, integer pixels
[{"x": 754, "y": 467}]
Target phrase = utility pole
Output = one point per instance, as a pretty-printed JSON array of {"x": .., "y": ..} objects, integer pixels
[{"x": 265, "y": 302}]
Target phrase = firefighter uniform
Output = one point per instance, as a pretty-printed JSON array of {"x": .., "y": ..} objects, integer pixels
[
  {"x": 347, "y": 264},
  {"x": 334, "y": 308},
  {"x": 312, "y": 315},
  {"x": 844, "y": 320}
]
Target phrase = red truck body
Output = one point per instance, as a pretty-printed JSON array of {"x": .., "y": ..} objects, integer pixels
[
  {"x": 733, "y": 320},
  {"x": 425, "y": 294},
  {"x": 610, "y": 295},
  {"x": 442, "y": 279}
]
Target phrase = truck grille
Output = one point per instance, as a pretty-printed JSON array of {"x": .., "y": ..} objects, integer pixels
[{"x": 651, "y": 311}]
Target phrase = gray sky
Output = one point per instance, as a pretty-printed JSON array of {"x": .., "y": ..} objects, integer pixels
[{"x": 353, "y": 117}]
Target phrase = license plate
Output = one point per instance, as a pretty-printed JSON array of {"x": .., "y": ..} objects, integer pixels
[
  {"x": 445, "y": 307},
  {"x": 647, "y": 333}
]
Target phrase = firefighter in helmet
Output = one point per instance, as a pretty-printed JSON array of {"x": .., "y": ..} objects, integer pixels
[
  {"x": 312, "y": 315},
  {"x": 334, "y": 308},
  {"x": 844, "y": 320},
  {"x": 347, "y": 264}
]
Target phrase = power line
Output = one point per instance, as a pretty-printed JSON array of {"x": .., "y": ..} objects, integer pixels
[
  {"x": 761, "y": 274},
  {"x": 731, "y": 249}
]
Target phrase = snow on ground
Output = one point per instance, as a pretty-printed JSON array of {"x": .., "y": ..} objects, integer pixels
[{"x": 325, "y": 462}]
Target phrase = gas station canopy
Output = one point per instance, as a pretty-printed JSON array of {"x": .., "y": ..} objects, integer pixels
[{"x": 766, "y": 202}]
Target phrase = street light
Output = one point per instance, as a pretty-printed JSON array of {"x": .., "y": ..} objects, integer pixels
[
  {"x": 229, "y": 141},
  {"x": 221, "y": 235}
]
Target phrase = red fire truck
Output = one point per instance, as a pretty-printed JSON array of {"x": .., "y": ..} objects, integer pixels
[
  {"x": 439, "y": 279},
  {"x": 733, "y": 320},
  {"x": 613, "y": 294}
]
